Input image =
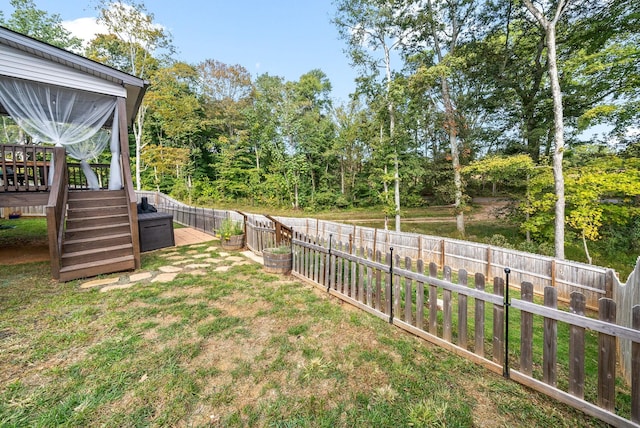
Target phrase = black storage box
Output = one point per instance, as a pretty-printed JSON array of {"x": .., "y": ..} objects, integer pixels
[{"x": 155, "y": 231}]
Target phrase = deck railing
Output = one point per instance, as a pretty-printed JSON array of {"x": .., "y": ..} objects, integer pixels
[{"x": 25, "y": 168}]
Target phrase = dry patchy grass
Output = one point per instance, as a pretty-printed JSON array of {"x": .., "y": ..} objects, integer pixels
[{"x": 241, "y": 348}]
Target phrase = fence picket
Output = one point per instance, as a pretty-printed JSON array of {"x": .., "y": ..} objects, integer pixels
[
  {"x": 576, "y": 347},
  {"x": 550, "y": 350},
  {"x": 408, "y": 293},
  {"x": 433, "y": 301},
  {"x": 420, "y": 296},
  {"x": 378, "y": 292},
  {"x": 397, "y": 286},
  {"x": 635, "y": 369},
  {"x": 462, "y": 311},
  {"x": 498, "y": 322},
  {"x": 526, "y": 331},
  {"x": 338, "y": 262},
  {"x": 370, "y": 279},
  {"x": 361, "y": 289},
  {"x": 607, "y": 358},
  {"x": 447, "y": 308},
  {"x": 479, "y": 318},
  {"x": 387, "y": 302}
]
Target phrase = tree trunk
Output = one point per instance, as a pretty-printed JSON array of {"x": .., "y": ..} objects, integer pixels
[
  {"x": 559, "y": 140},
  {"x": 586, "y": 249},
  {"x": 455, "y": 155},
  {"x": 556, "y": 92},
  {"x": 137, "y": 133}
]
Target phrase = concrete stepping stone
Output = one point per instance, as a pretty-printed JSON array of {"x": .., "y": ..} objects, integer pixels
[
  {"x": 197, "y": 272},
  {"x": 224, "y": 254},
  {"x": 169, "y": 269},
  {"x": 182, "y": 262},
  {"x": 222, "y": 268},
  {"x": 197, "y": 266},
  {"x": 197, "y": 246},
  {"x": 212, "y": 260},
  {"x": 171, "y": 254},
  {"x": 192, "y": 252},
  {"x": 176, "y": 257},
  {"x": 201, "y": 256},
  {"x": 165, "y": 277},
  {"x": 139, "y": 276},
  {"x": 235, "y": 259},
  {"x": 99, "y": 282},
  {"x": 116, "y": 287},
  {"x": 212, "y": 249}
]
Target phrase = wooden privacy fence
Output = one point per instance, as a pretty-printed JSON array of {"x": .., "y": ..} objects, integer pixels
[
  {"x": 542, "y": 271},
  {"x": 473, "y": 322}
]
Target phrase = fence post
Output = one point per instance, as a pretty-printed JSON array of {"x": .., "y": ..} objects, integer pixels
[{"x": 442, "y": 254}]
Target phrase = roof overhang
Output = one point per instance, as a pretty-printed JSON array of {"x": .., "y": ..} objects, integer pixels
[{"x": 47, "y": 62}]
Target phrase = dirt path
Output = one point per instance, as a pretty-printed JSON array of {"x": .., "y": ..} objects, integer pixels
[
  {"x": 14, "y": 255},
  {"x": 482, "y": 213}
]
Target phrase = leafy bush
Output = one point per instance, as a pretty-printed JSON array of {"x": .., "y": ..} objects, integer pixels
[{"x": 229, "y": 228}]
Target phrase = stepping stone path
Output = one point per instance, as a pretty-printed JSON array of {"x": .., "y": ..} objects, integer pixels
[{"x": 196, "y": 261}]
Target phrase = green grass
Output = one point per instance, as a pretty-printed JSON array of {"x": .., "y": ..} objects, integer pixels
[
  {"x": 23, "y": 231},
  {"x": 234, "y": 349}
]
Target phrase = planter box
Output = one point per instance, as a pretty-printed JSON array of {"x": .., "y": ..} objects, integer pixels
[
  {"x": 277, "y": 262},
  {"x": 235, "y": 242}
]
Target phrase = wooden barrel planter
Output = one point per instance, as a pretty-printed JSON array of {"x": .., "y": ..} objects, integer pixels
[
  {"x": 277, "y": 260},
  {"x": 235, "y": 242}
]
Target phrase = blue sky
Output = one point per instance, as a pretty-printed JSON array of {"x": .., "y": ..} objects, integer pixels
[{"x": 281, "y": 37}]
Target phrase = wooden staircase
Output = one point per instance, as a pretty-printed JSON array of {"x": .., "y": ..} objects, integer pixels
[{"x": 97, "y": 236}]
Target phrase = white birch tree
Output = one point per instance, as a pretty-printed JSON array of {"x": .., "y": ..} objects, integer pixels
[{"x": 556, "y": 9}]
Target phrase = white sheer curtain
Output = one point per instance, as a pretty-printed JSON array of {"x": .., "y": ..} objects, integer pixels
[{"x": 62, "y": 116}]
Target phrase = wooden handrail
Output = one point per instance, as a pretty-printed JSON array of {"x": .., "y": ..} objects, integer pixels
[
  {"x": 127, "y": 181},
  {"x": 56, "y": 210},
  {"x": 283, "y": 232}
]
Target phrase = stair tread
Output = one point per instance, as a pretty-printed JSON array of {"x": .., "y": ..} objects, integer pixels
[
  {"x": 96, "y": 250},
  {"x": 102, "y": 227},
  {"x": 97, "y": 217},
  {"x": 95, "y": 238},
  {"x": 90, "y": 265},
  {"x": 94, "y": 207}
]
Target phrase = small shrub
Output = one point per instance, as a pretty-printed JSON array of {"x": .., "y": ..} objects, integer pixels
[
  {"x": 229, "y": 228},
  {"x": 282, "y": 249}
]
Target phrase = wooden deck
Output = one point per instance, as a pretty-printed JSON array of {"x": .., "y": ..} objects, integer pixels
[{"x": 189, "y": 236}]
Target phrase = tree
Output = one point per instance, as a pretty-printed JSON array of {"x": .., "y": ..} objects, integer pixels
[
  {"x": 549, "y": 26},
  {"x": 369, "y": 26},
  {"x": 138, "y": 38},
  {"x": 440, "y": 25},
  {"x": 36, "y": 23}
]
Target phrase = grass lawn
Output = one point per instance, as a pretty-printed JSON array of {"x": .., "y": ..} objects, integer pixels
[{"x": 235, "y": 348}]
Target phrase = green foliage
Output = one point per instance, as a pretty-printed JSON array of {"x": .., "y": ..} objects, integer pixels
[
  {"x": 37, "y": 23},
  {"x": 230, "y": 228}
]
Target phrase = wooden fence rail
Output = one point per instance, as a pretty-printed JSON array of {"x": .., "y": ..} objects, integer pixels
[{"x": 455, "y": 315}]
